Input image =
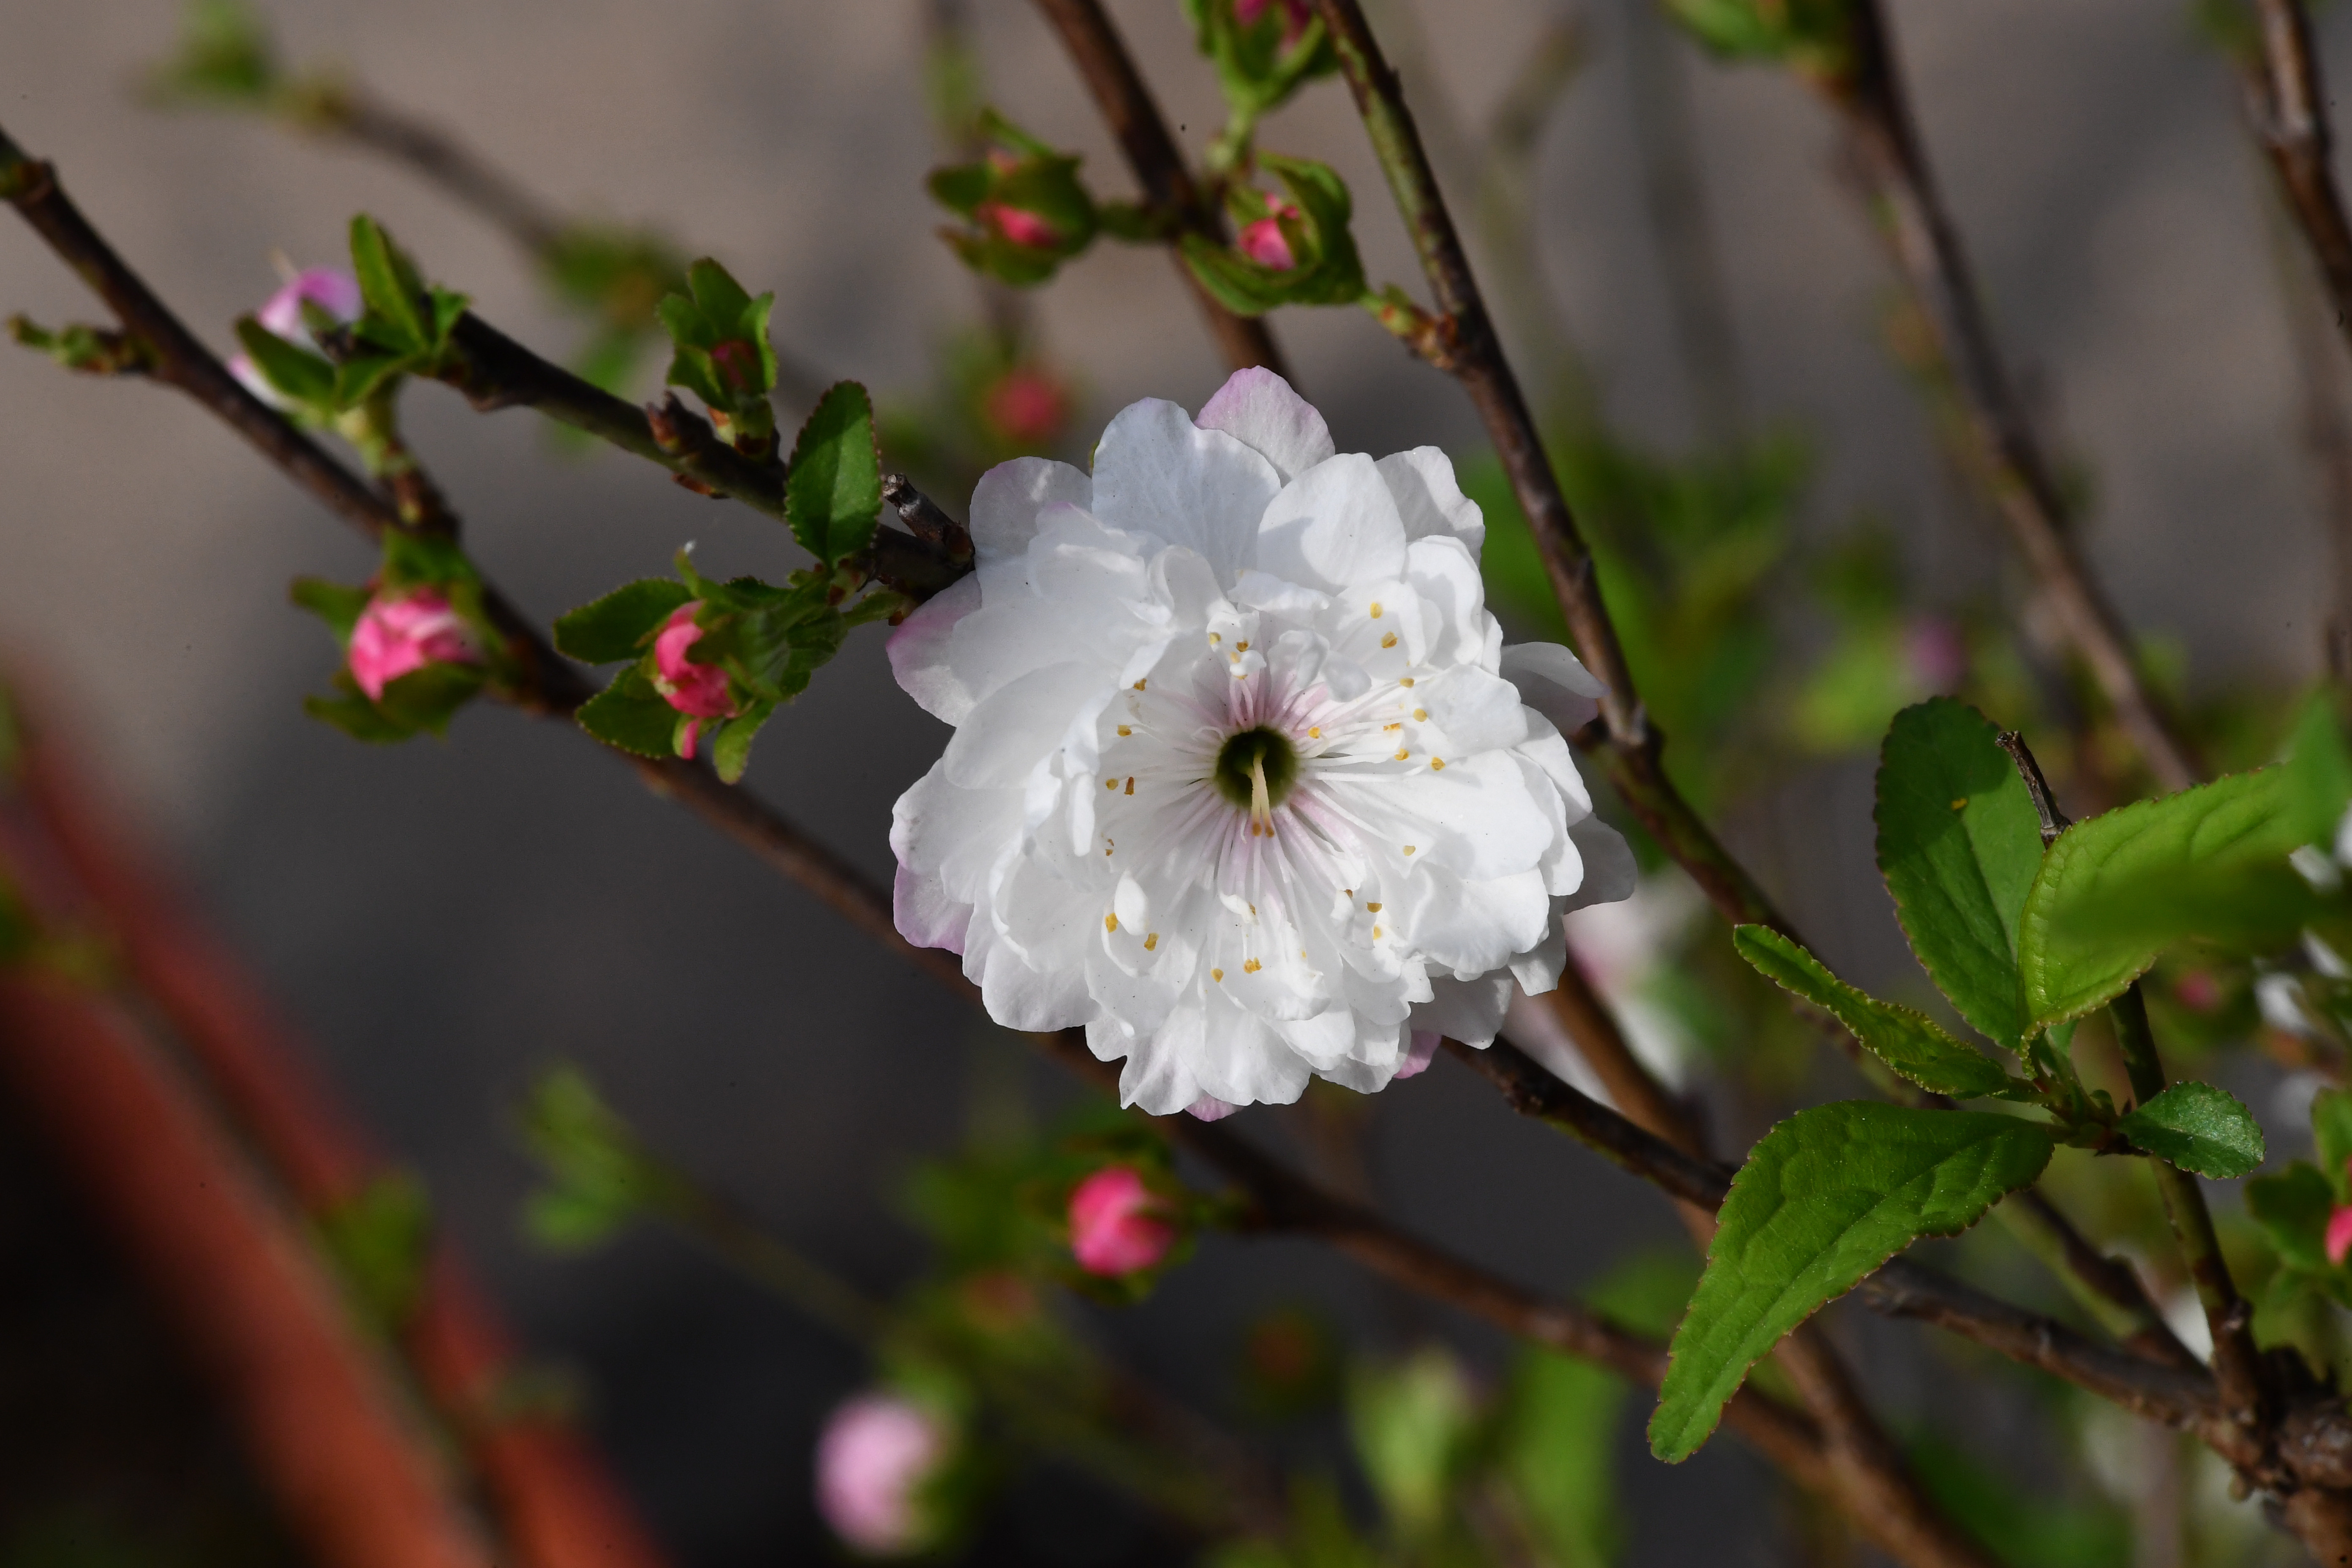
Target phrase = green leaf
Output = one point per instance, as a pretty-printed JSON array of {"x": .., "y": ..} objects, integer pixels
[
  {"x": 427, "y": 699},
  {"x": 1828, "y": 1196},
  {"x": 617, "y": 625},
  {"x": 730, "y": 748},
  {"x": 1958, "y": 842},
  {"x": 362, "y": 376},
  {"x": 298, "y": 374},
  {"x": 1411, "y": 1423},
  {"x": 2319, "y": 770},
  {"x": 357, "y": 717},
  {"x": 630, "y": 714},
  {"x": 334, "y": 603},
  {"x": 2292, "y": 1208},
  {"x": 1911, "y": 1043},
  {"x": 598, "y": 1177},
  {"x": 833, "y": 494},
  {"x": 389, "y": 285},
  {"x": 724, "y": 302},
  {"x": 2199, "y": 1127},
  {"x": 379, "y": 1240},
  {"x": 2070, "y": 953},
  {"x": 2331, "y": 1139}
]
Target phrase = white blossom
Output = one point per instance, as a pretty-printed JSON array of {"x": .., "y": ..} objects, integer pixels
[{"x": 1243, "y": 780}]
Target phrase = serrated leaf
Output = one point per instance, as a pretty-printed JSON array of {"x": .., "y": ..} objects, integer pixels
[
  {"x": 2069, "y": 954},
  {"x": 1959, "y": 843},
  {"x": 2199, "y": 1127},
  {"x": 389, "y": 285},
  {"x": 2292, "y": 1208},
  {"x": 723, "y": 300},
  {"x": 615, "y": 626},
  {"x": 1828, "y": 1196},
  {"x": 297, "y": 374},
  {"x": 1911, "y": 1043},
  {"x": 833, "y": 495},
  {"x": 630, "y": 714}
]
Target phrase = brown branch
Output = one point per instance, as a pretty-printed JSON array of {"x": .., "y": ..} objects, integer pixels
[
  {"x": 1119, "y": 88},
  {"x": 2286, "y": 106},
  {"x": 1870, "y": 96},
  {"x": 356, "y": 1479}
]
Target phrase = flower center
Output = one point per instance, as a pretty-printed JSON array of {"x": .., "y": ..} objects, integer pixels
[{"x": 1255, "y": 769}]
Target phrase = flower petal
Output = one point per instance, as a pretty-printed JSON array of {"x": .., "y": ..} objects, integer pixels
[
  {"x": 917, "y": 650},
  {"x": 1257, "y": 408},
  {"x": 1157, "y": 474},
  {"x": 1429, "y": 501},
  {"x": 1021, "y": 724},
  {"x": 1332, "y": 527}
]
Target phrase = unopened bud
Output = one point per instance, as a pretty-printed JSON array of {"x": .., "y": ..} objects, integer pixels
[
  {"x": 1263, "y": 241},
  {"x": 698, "y": 691},
  {"x": 397, "y": 635},
  {"x": 330, "y": 289},
  {"x": 1118, "y": 1224},
  {"x": 876, "y": 1452},
  {"x": 2339, "y": 1234},
  {"x": 1019, "y": 227},
  {"x": 1026, "y": 407}
]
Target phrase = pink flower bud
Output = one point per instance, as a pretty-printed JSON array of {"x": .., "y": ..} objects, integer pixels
[
  {"x": 1263, "y": 241},
  {"x": 699, "y": 689},
  {"x": 330, "y": 289},
  {"x": 398, "y": 634},
  {"x": 875, "y": 1453},
  {"x": 1020, "y": 228},
  {"x": 739, "y": 364},
  {"x": 2339, "y": 1234},
  {"x": 1117, "y": 1223},
  {"x": 1026, "y": 407},
  {"x": 2198, "y": 991}
]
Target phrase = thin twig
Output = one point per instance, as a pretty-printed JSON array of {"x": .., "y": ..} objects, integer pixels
[
  {"x": 1870, "y": 96},
  {"x": 1160, "y": 168},
  {"x": 2286, "y": 104}
]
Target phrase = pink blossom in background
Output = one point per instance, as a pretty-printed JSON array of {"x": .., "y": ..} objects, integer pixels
[
  {"x": 1296, "y": 14},
  {"x": 1117, "y": 1223},
  {"x": 330, "y": 289},
  {"x": 2339, "y": 1234},
  {"x": 1263, "y": 242},
  {"x": 1937, "y": 651},
  {"x": 1020, "y": 228},
  {"x": 697, "y": 689},
  {"x": 396, "y": 635},
  {"x": 877, "y": 1451},
  {"x": 1026, "y": 406}
]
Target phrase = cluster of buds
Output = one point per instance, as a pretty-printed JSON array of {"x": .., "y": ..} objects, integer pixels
[
  {"x": 1291, "y": 249},
  {"x": 1025, "y": 210}
]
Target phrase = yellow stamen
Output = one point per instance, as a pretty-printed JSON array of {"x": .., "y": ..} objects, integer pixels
[
  {"x": 1152, "y": 941},
  {"x": 1252, "y": 967},
  {"x": 1131, "y": 781},
  {"x": 1376, "y": 933},
  {"x": 1376, "y": 609},
  {"x": 1218, "y": 975},
  {"x": 1420, "y": 715},
  {"x": 1408, "y": 848},
  {"x": 1110, "y": 784},
  {"x": 1374, "y": 909},
  {"x": 1214, "y": 639},
  {"x": 1314, "y": 733},
  {"x": 1243, "y": 645},
  {"x": 1261, "y": 800},
  {"x": 1406, "y": 681},
  {"x": 1110, "y": 922},
  {"x": 1436, "y": 763},
  {"x": 1124, "y": 730},
  {"x": 1402, "y": 754},
  {"x": 1388, "y": 641},
  {"x": 1139, "y": 684}
]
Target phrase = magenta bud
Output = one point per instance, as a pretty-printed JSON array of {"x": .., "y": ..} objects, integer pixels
[
  {"x": 739, "y": 361},
  {"x": 1118, "y": 1224},
  {"x": 2339, "y": 1234},
  {"x": 877, "y": 1451},
  {"x": 396, "y": 634},
  {"x": 330, "y": 289},
  {"x": 1295, "y": 15},
  {"x": 1263, "y": 241},
  {"x": 699, "y": 689},
  {"x": 1020, "y": 228}
]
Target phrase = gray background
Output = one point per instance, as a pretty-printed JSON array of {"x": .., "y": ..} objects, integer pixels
[{"x": 444, "y": 918}]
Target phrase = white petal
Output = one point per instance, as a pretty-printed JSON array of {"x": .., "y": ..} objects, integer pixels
[
  {"x": 1470, "y": 1011},
  {"x": 1020, "y": 997},
  {"x": 1004, "y": 508},
  {"x": 1257, "y": 408},
  {"x": 1429, "y": 501},
  {"x": 1537, "y": 969},
  {"x": 1021, "y": 724},
  {"x": 924, "y": 914},
  {"x": 1157, "y": 474},
  {"x": 1332, "y": 527},
  {"x": 1554, "y": 683},
  {"x": 918, "y": 652},
  {"x": 1609, "y": 872}
]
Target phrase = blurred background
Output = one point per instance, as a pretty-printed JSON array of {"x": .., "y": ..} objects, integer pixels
[{"x": 445, "y": 920}]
